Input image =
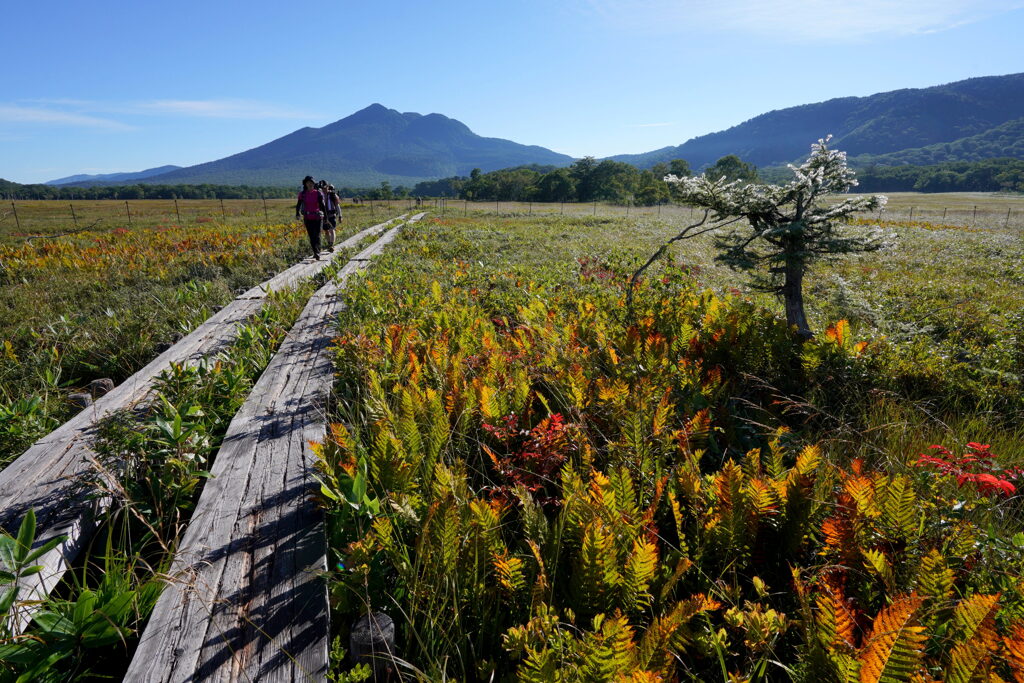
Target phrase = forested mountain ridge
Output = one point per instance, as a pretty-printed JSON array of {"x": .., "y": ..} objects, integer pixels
[
  {"x": 1005, "y": 140},
  {"x": 879, "y": 125},
  {"x": 373, "y": 145}
]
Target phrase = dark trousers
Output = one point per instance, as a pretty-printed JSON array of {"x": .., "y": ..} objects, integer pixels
[{"x": 313, "y": 230}]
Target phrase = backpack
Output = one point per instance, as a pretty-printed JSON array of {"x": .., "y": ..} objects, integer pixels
[
  {"x": 311, "y": 203},
  {"x": 329, "y": 196}
]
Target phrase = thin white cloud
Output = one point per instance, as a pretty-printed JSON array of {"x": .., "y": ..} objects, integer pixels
[
  {"x": 222, "y": 109},
  {"x": 78, "y": 112},
  {"x": 800, "y": 20},
  {"x": 20, "y": 114}
]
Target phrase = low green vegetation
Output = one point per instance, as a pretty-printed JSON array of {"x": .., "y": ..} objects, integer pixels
[
  {"x": 152, "y": 461},
  {"x": 151, "y": 466},
  {"x": 537, "y": 484}
]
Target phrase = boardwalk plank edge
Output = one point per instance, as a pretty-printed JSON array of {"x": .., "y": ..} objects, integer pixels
[
  {"x": 246, "y": 597},
  {"x": 47, "y": 477}
]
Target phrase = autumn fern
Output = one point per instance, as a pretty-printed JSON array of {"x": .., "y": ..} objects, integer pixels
[{"x": 894, "y": 648}]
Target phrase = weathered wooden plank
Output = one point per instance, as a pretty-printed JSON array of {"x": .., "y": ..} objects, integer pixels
[
  {"x": 309, "y": 267},
  {"x": 50, "y": 477},
  {"x": 246, "y": 597}
]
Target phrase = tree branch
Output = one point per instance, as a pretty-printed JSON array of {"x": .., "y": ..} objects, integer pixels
[{"x": 685, "y": 234}]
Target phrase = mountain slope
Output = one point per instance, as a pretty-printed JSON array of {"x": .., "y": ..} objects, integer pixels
[
  {"x": 83, "y": 178},
  {"x": 372, "y": 145},
  {"x": 879, "y": 124},
  {"x": 1005, "y": 140}
]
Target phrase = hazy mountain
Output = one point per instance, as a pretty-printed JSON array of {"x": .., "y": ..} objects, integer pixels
[
  {"x": 84, "y": 179},
  {"x": 373, "y": 145},
  {"x": 967, "y": 120}
]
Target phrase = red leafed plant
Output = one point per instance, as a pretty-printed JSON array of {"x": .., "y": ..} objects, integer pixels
[
  {"x": 977, "y": 466},
  {"x": 532, "y": 457}
]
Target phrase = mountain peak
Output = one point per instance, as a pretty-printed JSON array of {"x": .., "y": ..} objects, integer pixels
[{"x": 372, "y": 145}]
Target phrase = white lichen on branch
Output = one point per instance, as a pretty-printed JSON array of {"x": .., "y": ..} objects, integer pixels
[{"x": 778, "y": 230}]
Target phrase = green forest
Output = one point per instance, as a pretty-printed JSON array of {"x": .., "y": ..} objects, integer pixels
[
  {"x": 586, "y": 180},
  {"x": 591, "y": 180}
]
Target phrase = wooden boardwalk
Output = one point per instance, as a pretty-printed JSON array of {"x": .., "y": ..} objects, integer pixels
[
  {"x": 246, "y": 598},
  {"x": 52, "y": 476}
]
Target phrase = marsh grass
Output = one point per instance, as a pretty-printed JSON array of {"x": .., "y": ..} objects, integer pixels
[
  {"x": 103, "y": 304},
  {"x": 476, "y": 319}
]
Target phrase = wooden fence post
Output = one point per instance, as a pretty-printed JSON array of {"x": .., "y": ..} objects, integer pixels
[
  {"x": 176, "y": 212},
  {"x": 943, "y": 213},
  {"x": 266, "y": 216},
  {"x": 222, "y": 214},
  {"x": 17, "y": 221},
  {"x": 73, "y": 216},
  {"x": 129, "y": 212},
  {"x": 1007, "y": 222},
  {"x": 911, "y": 213},
  {"x": 975, "y": 217}
]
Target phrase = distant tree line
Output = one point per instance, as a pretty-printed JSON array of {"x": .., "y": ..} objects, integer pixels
[
  {"x": 11, "y": 190},
  {"x": 584, "y": 181},
  {"x": 141, "y": 191},
  {"x": 989, "y": 175}
]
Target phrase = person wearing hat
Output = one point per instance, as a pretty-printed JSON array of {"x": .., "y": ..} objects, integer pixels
[{"x": 313, "y": 207}]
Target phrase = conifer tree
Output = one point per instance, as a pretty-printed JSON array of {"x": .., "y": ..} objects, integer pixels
[{"x": 778, "y": 231}]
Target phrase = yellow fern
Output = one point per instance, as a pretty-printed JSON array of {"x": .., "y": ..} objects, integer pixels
[
  {"x": 934, "y": 578},
  {"x": 637, "y": 575},
  {"x": 509, "y": 571},
  {"x": 975, "y": 628},
  {"x": 894, "y": 648}
]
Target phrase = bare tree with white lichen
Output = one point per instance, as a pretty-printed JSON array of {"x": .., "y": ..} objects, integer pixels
[{"x": 778, "y": 231}]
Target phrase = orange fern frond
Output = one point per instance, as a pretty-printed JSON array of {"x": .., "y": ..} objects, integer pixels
[
  {"x": 895, "y": 644},
  {"x": 1013, "y": 651}
]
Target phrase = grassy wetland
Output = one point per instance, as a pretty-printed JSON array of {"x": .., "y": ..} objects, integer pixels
[
  {"x": 103, "y": 301},
  {"x": 151, "y": 460},
  {"x": 537, "y": 484}
]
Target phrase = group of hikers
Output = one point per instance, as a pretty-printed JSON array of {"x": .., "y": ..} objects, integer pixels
[{"x": 320, "y": 207}]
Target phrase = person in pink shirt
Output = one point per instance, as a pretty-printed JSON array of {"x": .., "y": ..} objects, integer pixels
[{"x": 313, "y": 207}]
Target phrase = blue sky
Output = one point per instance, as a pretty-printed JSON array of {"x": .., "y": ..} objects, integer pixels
[{"x": 101, "y": 86}]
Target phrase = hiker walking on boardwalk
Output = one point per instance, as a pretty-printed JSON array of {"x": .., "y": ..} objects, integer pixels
[
  {"x": 313, "y": 207},
  {"x": 333, "y": 214}
]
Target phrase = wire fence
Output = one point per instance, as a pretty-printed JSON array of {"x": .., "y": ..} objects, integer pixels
[
  {"x": 28, "y": 218},
  {"x": 47, "y": 218},
  {"x": 979, "y": 215}
]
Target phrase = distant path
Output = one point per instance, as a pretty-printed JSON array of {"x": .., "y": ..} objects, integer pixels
[{"x": 247, "y": 596}]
